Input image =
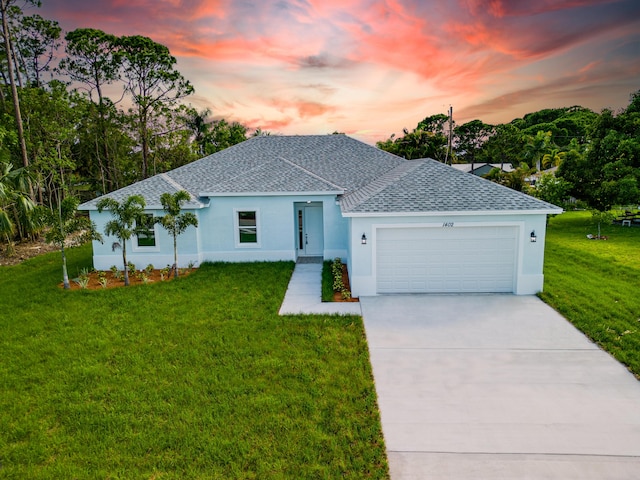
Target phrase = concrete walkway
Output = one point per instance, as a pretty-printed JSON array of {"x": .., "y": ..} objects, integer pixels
[
  {"x": 304, "y": 294},
  {"x": 497, "y": 387}
]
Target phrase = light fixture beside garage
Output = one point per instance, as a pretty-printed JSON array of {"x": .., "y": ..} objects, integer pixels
[
  {"x": 364, "y": 239},
  {"x": 533, "y": 236}
]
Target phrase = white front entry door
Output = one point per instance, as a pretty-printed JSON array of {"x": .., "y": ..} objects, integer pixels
[{"x": 312, "y": 231}]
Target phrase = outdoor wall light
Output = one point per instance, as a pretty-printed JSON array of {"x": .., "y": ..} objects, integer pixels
[
  {"x": 364, "y": 239},
  {"x": 533, "y": 236}
]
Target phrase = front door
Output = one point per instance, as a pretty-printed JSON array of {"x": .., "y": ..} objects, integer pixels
[{"x": 311, "y": 238}]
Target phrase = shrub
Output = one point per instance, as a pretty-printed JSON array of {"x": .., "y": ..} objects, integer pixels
[{"x": 338, "y": 284}]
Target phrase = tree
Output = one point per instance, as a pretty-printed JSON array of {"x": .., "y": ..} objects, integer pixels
[
  {"x": 536, "y": 147},
  {"x": 223, "y": 135},
  {"x": 552, "y": 189},
  {"x": 63, "y": 221},
  {"x": 609, "y": 172},
  {"x": 599, "y": 217},
  {"x": 553, "y": 158},
  {"x": 37, "y": 41},
  {"x": 7, "y": 8},
  {"x": 175, "y": 222},
  {"x": 197, "y": 123},
  {"x": 93, "y": 61},
  {"x": 213, "y": 136},
  {"x": 515, "y": 180},
  {"x": 127, "y": 221},
  {"x": 16, "y": 205},
  {"x": 504, "y": 146},
  {"x": 154, "y": 85},
  {"x": 427, "y": 140},
  {"x": 470, "y": 137},
  {"x": 51, "y": 120}
]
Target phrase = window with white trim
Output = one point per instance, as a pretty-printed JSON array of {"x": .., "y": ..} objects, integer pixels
[
  {"x": 247, "y": 227},
  {"x": 147, "y": 237}
]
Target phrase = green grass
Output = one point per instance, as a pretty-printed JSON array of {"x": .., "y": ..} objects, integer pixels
[
  {"x": 193, "y": 378},
  {"x": 595, "y": 283},
  {"x": 327, "y": 281}
]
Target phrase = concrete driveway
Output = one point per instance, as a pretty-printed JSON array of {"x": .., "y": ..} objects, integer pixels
[{"x": 497, "y": 387}]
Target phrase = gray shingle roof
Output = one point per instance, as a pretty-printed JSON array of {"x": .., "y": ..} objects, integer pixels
[
  {"x": 151, "y": 189},
  {"x": 430, "y": 186},
  {"x": 275, "y": 176},
  {"x": 371, "y": 180},
  {"x": 273, "y": 164}
]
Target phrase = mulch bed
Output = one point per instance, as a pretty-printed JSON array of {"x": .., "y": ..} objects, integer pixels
[
  {"x": 337, "y": 296},
  {"x": 135, "y": 278}
]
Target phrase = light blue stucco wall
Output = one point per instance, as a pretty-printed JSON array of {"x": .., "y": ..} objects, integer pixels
[
  {"x": 277, "y": 228},
  {"x": 159, "y": 256},
  {"x": 215, "y": 239},
  {"x": 530, "y": 257}
]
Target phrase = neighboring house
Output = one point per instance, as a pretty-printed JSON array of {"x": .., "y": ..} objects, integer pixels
[
  {"x": 481, "y": 169},
  {"x": 534, "y": 177},
  {"x": 401, "y": 226}
]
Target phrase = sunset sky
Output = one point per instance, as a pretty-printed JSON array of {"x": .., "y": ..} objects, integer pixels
[{"x": 370, "y": 68}]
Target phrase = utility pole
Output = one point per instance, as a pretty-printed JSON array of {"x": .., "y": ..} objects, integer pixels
[{"x": 447, "y": 159}]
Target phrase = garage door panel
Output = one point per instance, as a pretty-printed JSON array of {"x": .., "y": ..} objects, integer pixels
[{"x": 446, "y": 260}]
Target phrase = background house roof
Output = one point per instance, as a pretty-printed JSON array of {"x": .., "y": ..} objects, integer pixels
[
  {"x": 466, "y": 167},
  {"x": 430, "y": 186}
]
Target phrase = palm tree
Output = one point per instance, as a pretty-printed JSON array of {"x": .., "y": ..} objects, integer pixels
[
  {"x": 175, "y": 222},
  {"x": 15, "y": 202},
  {"x": 553, "y": 158},
  {"x": 63, "y": 222},
  {"x": 126, "y": 223},
  {"x": 536, "y": 147}
]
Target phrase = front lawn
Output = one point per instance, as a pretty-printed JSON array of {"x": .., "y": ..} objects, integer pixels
[
  {"x": 197, "y": 378},
  {"x": 595, "y": 284}
]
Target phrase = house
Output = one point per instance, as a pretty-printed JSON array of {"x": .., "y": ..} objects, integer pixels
[
  {"x": 481, "y": 169},
  {"x": 400, "y": 226},
  {"x": 535, "y": 177}
]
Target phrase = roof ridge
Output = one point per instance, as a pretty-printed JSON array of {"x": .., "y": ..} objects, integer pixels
[
  {"x": 243, "y": 173},
  {"x": 172, "y": 182},
  {"x": 309, "y": 172},
  {"x": 355, "y": 198},
  {"x": 165, "y": 176}
]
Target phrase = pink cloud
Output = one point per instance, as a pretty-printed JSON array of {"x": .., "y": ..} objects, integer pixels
[
  {"x": 509, "y": 8},
  {"x": 304, "y": 108},
  {"x": 269, "y": 125},
  {"x": 360, "y": 62}
]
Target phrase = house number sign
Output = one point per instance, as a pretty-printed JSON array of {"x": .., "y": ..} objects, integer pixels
[{"x": 447, "y": 224}]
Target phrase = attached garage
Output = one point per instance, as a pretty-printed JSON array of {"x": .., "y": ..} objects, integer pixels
[
  {"x": 446, "y": 259},
  {"x": 425, "y": 227}
]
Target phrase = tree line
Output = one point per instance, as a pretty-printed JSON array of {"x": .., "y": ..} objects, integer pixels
[
  {"x": 85, "y": 112},
  {"x": 597, "y": 155}
]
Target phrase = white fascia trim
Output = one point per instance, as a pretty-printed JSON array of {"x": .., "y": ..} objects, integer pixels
[
  {"x": 269, "y": 194},
  {"x": 183, "y": 207},
  {"x": 200, "y": 205},
  {"x": 455, "y": 213}
]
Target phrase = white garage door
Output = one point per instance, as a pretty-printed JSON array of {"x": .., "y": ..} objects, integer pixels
[{"x": 446, "y": 259}]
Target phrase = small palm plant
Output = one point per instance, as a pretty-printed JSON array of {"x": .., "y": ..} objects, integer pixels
[
  {"x": 175, "y": 222},
  {"x": 125, "y": 223},
  {"x": 63, "y": 221}
]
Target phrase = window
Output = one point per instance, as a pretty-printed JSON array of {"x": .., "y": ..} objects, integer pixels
[
  {"x": 147, "y": 238},
  {"x": 247, "y": 228}
]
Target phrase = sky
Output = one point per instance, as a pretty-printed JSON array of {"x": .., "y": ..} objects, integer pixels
[{"x": 371, "y": 68}]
